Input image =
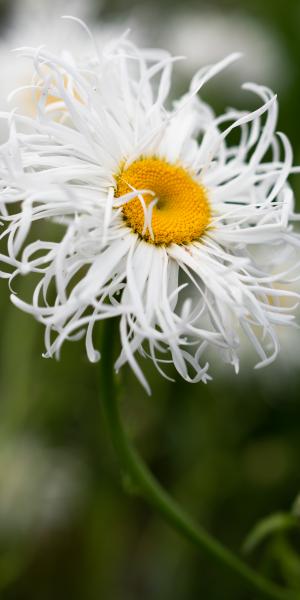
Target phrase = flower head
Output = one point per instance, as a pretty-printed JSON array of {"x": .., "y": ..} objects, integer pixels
[
  {"x": 159, "y": 218},
  {"x": 38, "y": 24}
]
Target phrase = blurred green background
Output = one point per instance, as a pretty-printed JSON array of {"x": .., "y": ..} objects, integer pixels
[{"x": 228, "y": 451}]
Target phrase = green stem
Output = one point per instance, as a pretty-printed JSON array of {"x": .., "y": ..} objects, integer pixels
[{"x": 151, "y": 490}]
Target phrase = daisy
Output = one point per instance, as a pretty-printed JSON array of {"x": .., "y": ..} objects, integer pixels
[
  {"x": 38, "y": 24},
  {"x": 159, "y": 211}
]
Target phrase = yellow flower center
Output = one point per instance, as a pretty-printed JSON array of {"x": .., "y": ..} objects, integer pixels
[{"x": 178, "y": 207}]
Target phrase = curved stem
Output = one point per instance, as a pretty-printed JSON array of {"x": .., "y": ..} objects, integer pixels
[{"x": 151, "y": 490}]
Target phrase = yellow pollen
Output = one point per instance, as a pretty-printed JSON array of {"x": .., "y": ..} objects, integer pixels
[{"x": 181, "y": 210}]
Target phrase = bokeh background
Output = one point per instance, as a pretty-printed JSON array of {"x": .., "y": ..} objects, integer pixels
[{"x": 228, "y": 451}]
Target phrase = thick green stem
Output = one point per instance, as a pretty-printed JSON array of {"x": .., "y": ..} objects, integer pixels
[{"x": 148, "y": 487}]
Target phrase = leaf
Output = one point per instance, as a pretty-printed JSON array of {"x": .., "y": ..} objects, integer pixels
[
  {"x": 276, "y": 523},
  {"x": 288, "y": 562},
  {"x": 296, "y": 507}
]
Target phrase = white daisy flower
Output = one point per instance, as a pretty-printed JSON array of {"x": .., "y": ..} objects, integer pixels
[
  {"x": 39, "y": 25},
  {"x": 159, "y": 218}
]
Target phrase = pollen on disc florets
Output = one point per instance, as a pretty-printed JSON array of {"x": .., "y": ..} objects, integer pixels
[{"x": 181, "y": 211}]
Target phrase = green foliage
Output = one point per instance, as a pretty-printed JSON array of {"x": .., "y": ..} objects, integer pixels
[{"x": 272, "y": 525}]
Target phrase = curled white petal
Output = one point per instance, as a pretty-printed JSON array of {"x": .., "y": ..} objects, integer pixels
[{"x": 175, "y": 301}]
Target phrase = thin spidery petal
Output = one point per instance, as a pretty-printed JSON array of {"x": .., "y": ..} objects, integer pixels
[{"x": 160, "y": 220}]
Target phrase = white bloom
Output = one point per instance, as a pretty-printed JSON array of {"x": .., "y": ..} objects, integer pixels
[
  {"x": 159, "y": 217},
  {"x": 38, "y": 24}
]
